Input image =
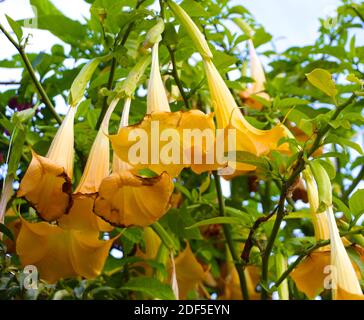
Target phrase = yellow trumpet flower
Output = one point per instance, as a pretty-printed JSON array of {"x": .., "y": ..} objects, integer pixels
[
  {"x": 311, "y": 275},
  {"x": 61, "y": 253},
  {"x": 258, "y": 75},
  {"x": 159, "y": 142},
  {"x": 47, "y": 181},
  {"x": 81, "y": 215},
  {"x": 345, "y": 283},
  {"x": 189, "y": 272},
  {"x": 228, "y": 115},
  {"x": 126, "y": 199}
]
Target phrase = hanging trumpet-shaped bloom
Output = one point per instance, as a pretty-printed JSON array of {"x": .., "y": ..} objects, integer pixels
[
  {"x": 80, "y": 215},
  {"x": 47, "y": 181},
  {"x": 345, "y": 283},
  {"x": 126, "y": 199},
  {"x": 189, "y": 272},
  {"x": 257, "y": 74},
  {"x": 311, "y": 275},
  {"x": 60, "y": 253},
  {"x": 228, "y": 115},
  {"x": 164, "y": 140}
]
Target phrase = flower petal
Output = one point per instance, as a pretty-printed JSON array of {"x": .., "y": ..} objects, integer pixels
[
  {"x": 81, "y": 216},
  {"x": 47, "y": 187},
  {"x": 125, "y": 199},
  {"x": 309, "y": 275},
  {"x": 59, "y": 253}
]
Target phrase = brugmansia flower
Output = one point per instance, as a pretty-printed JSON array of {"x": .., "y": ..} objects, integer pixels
[
  {"x": 311, "y": 275},
  {"x": 60, "y": 253},
  {"x": 162, "y": 145},
  {"x": 258, "y": 87},
  {"x": 228, "y": 115},
  {"x": 128, "y": 199},
  {"x": 47, "y": 181},
  {"x": 81, "y": 215},
  {"x": 345, "y": 284},
  {"x": 189, "y": 272}
]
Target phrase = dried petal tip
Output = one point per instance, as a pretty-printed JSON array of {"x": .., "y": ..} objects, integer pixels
[{"x": 47, "y": 181}]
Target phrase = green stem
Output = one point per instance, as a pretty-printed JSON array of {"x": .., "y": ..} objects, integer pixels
[
  {"x": 176, "y": 77},
  {"x": 229, "y": 239},
  {"x": 31, "y": 72}
]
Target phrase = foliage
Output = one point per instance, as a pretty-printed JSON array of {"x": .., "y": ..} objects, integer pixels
[{"x": 307, "y": 85}]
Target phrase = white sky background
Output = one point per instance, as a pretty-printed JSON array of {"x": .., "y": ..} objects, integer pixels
[{"x": 291, "y": 22}]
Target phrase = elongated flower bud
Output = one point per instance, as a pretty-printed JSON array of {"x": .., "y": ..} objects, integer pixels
[
  {"x": 196, "y": 35},
  {"x": 157, "y": 98},
  {"x": 345, "y": 283}
]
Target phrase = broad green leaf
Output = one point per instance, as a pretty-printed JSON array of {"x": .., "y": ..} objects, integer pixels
[
  {"x": 217, "y": 220},
  {"x": 341, "y": 206},
  {"x": 194, "y": 9},
  {"x": 51, "y": 19},
  {"x": 16, "y": 27},
  {"x": 356, "y": 202},
  {"x": 150, "y": 286},
  {"x": 249, "y": 158},
  {"x": 322, "y": 80},
  {"x": 333, "y": 138},
  {"x": 289, "y": 102}
]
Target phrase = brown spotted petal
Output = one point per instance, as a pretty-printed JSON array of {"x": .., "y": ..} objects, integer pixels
[{"x": 47, "y": 187}]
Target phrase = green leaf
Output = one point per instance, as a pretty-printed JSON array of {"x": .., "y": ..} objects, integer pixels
[
  {"x": 288, "y": 102},
  {"x": 194, "y": 9},
  {"x": 16, "y": 27},
  {"x": 51, "y": 19},
  {"x": 249, "y": 158},
  {"x": 341, "y": 206},
  {"x": 356, "y": 203},
  {"x": 322, "y": 80},
  {"x": 5, "y": 230},
  {"x": 217, "y": 220},
  {"x": 150, "y": 286},
  {"x": 333, "y": 138},
  {"x": 16, "y": 151},
  {"x": 353, "y": 78}
]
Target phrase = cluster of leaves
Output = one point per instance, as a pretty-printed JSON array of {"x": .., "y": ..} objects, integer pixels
[{"x": 116, "y": 29}]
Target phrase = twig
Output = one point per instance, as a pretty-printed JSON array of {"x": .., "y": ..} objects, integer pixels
[
  {"x": 31, "y": 72},
  {"x": 176, "y": 77},
  {"x": 9, "y": 82},
  {"x": 229, "y": 240},
  {"x": 249, "y": 241}
]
